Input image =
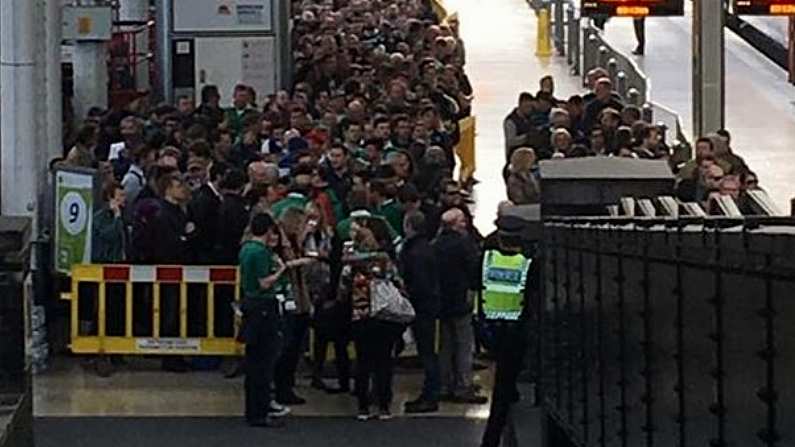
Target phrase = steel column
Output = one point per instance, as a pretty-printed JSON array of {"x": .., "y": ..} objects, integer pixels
[{"x": 708, "y": 67}]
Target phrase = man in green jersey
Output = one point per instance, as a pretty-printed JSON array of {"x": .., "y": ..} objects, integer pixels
[{"x": 264, "y": 285}]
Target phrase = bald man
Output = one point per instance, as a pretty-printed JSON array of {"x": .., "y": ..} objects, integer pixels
[
  {"x": 457, "y": 256},
  {"x": 262, "y": 173}
]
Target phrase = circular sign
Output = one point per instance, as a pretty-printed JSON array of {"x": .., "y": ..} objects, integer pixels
[{"x": 74, "y": 213}]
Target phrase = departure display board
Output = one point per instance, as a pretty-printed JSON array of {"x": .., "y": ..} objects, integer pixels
[
  {"x": 634, "y": 8},
  {"x": 764, "y": 7}
]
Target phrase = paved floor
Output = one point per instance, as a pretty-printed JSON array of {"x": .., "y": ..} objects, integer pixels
[
  {"x": 225, "y": 432},
  {"x": 141, "y": 389},
  {"x": 760, "y": 103}
]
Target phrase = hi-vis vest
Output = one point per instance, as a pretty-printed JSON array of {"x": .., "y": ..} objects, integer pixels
[{"x": 504, "y": 279}]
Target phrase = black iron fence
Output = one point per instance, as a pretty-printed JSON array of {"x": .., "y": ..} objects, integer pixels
[{"x": 668, "y": 332}]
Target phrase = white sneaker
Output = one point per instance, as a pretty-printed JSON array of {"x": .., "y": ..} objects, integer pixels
[{"x": 278, "y": 411}]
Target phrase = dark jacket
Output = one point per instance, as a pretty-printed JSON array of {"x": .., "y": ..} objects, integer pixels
[
  {"x": 456, "y": 257},
  {"x": 232, "y": 221},
  {"x": 341, "y": 185},
  {"x": 203, "y": 210},
  {"x": 108, "y": 238},
  {"x": 595, "y": 107},
  {"x": 169, "y": 238},
  {"x": 418, "y": 269}
]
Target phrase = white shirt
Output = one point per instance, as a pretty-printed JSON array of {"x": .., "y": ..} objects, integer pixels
[{"x": 115, "y": 150}]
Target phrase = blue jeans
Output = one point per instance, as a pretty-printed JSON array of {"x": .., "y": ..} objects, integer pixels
[
  {"x": 455, "y": 354},
  {"x": 424, "y": 329}
]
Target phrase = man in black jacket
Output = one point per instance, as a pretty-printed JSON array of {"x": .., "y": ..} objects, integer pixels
[
  {"x": 457, "y": 256},
  {"x": 203, "y": 209},
  {"x": 418, "y": 268},
  {"x": 604, "y": 99},
  {"x": 172, "y": 231},
  {"x": 232, "y": 218}
]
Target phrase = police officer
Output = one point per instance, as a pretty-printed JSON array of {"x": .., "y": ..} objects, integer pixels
[
  {"x": 263, "y": 280},
  {"x": 508, "y": 266}
]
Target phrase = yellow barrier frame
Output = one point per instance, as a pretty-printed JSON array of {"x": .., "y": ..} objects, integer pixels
[{"x": 128, "y": 344}]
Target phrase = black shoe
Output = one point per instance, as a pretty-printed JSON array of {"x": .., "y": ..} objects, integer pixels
[
  {"x": 638, "y": 51},
  {"x": 471, "y": 398},
  {"x": 291, "y": 399},
  {"x": 421, "y": 406},
  {"x": 175, "y": 365},
  {"x": 267, "y": 423}
]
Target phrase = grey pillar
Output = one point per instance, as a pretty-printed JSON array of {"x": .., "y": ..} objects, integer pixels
[
  {"x": 560, "y": 33},
  {"x": 90, "y": 63},
  {"x": 708, "y": 67},
  {"x": 283, "y": 41},
  {"x": 162, "y": 88},
  {"x": 52, "y": 115},
  {"x": 54, "y": 112},
  {"x": 17, "y": 44}
]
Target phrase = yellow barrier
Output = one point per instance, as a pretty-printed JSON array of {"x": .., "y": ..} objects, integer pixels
[
  {"x": 96, "y": 287},
  {"x": 466, "y": 148},
  {"x": 543, "y": 42},
  {"x": 440, "y": 10}
]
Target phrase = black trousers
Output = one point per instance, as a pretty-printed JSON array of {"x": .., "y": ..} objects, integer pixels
[
  {"x": 640, "y": 32},
  {"x": 374, "y": 341},
  {"x": 263, "y": 343},
  {"x": 339, "y": 338},
  {"x": 512, "y": 342},
  {"x": 424, "y": 329},
  {"x": 295, "y": 330}
]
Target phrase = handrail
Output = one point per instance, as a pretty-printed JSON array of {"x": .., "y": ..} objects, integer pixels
[{"x": 634, "y": 85}]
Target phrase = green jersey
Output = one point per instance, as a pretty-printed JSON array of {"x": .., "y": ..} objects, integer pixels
[
  {"x": 257, "y": 261},
  {"x": 392, "y": 211}
]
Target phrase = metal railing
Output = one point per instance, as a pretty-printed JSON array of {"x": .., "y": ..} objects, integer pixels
[
  {"x": 586, "y": 48},
  {"x": 668, "y": 331}
]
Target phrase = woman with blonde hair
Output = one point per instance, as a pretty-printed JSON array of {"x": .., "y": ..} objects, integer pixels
[
  {"x": 523, "y": 188},
  {"x": 561, "y": 142}
]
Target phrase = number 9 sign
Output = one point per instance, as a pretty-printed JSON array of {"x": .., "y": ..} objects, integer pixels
[{"x": 74, "y": 213}]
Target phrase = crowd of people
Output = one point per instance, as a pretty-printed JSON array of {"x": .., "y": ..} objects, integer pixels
[
  {"x": 343, "y": 180},
  {"x": 315, "y": 192},
  {"x": 599, "y": 123}
]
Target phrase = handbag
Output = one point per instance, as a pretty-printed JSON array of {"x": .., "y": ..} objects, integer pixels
[{"x": 387, "y": 303}]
